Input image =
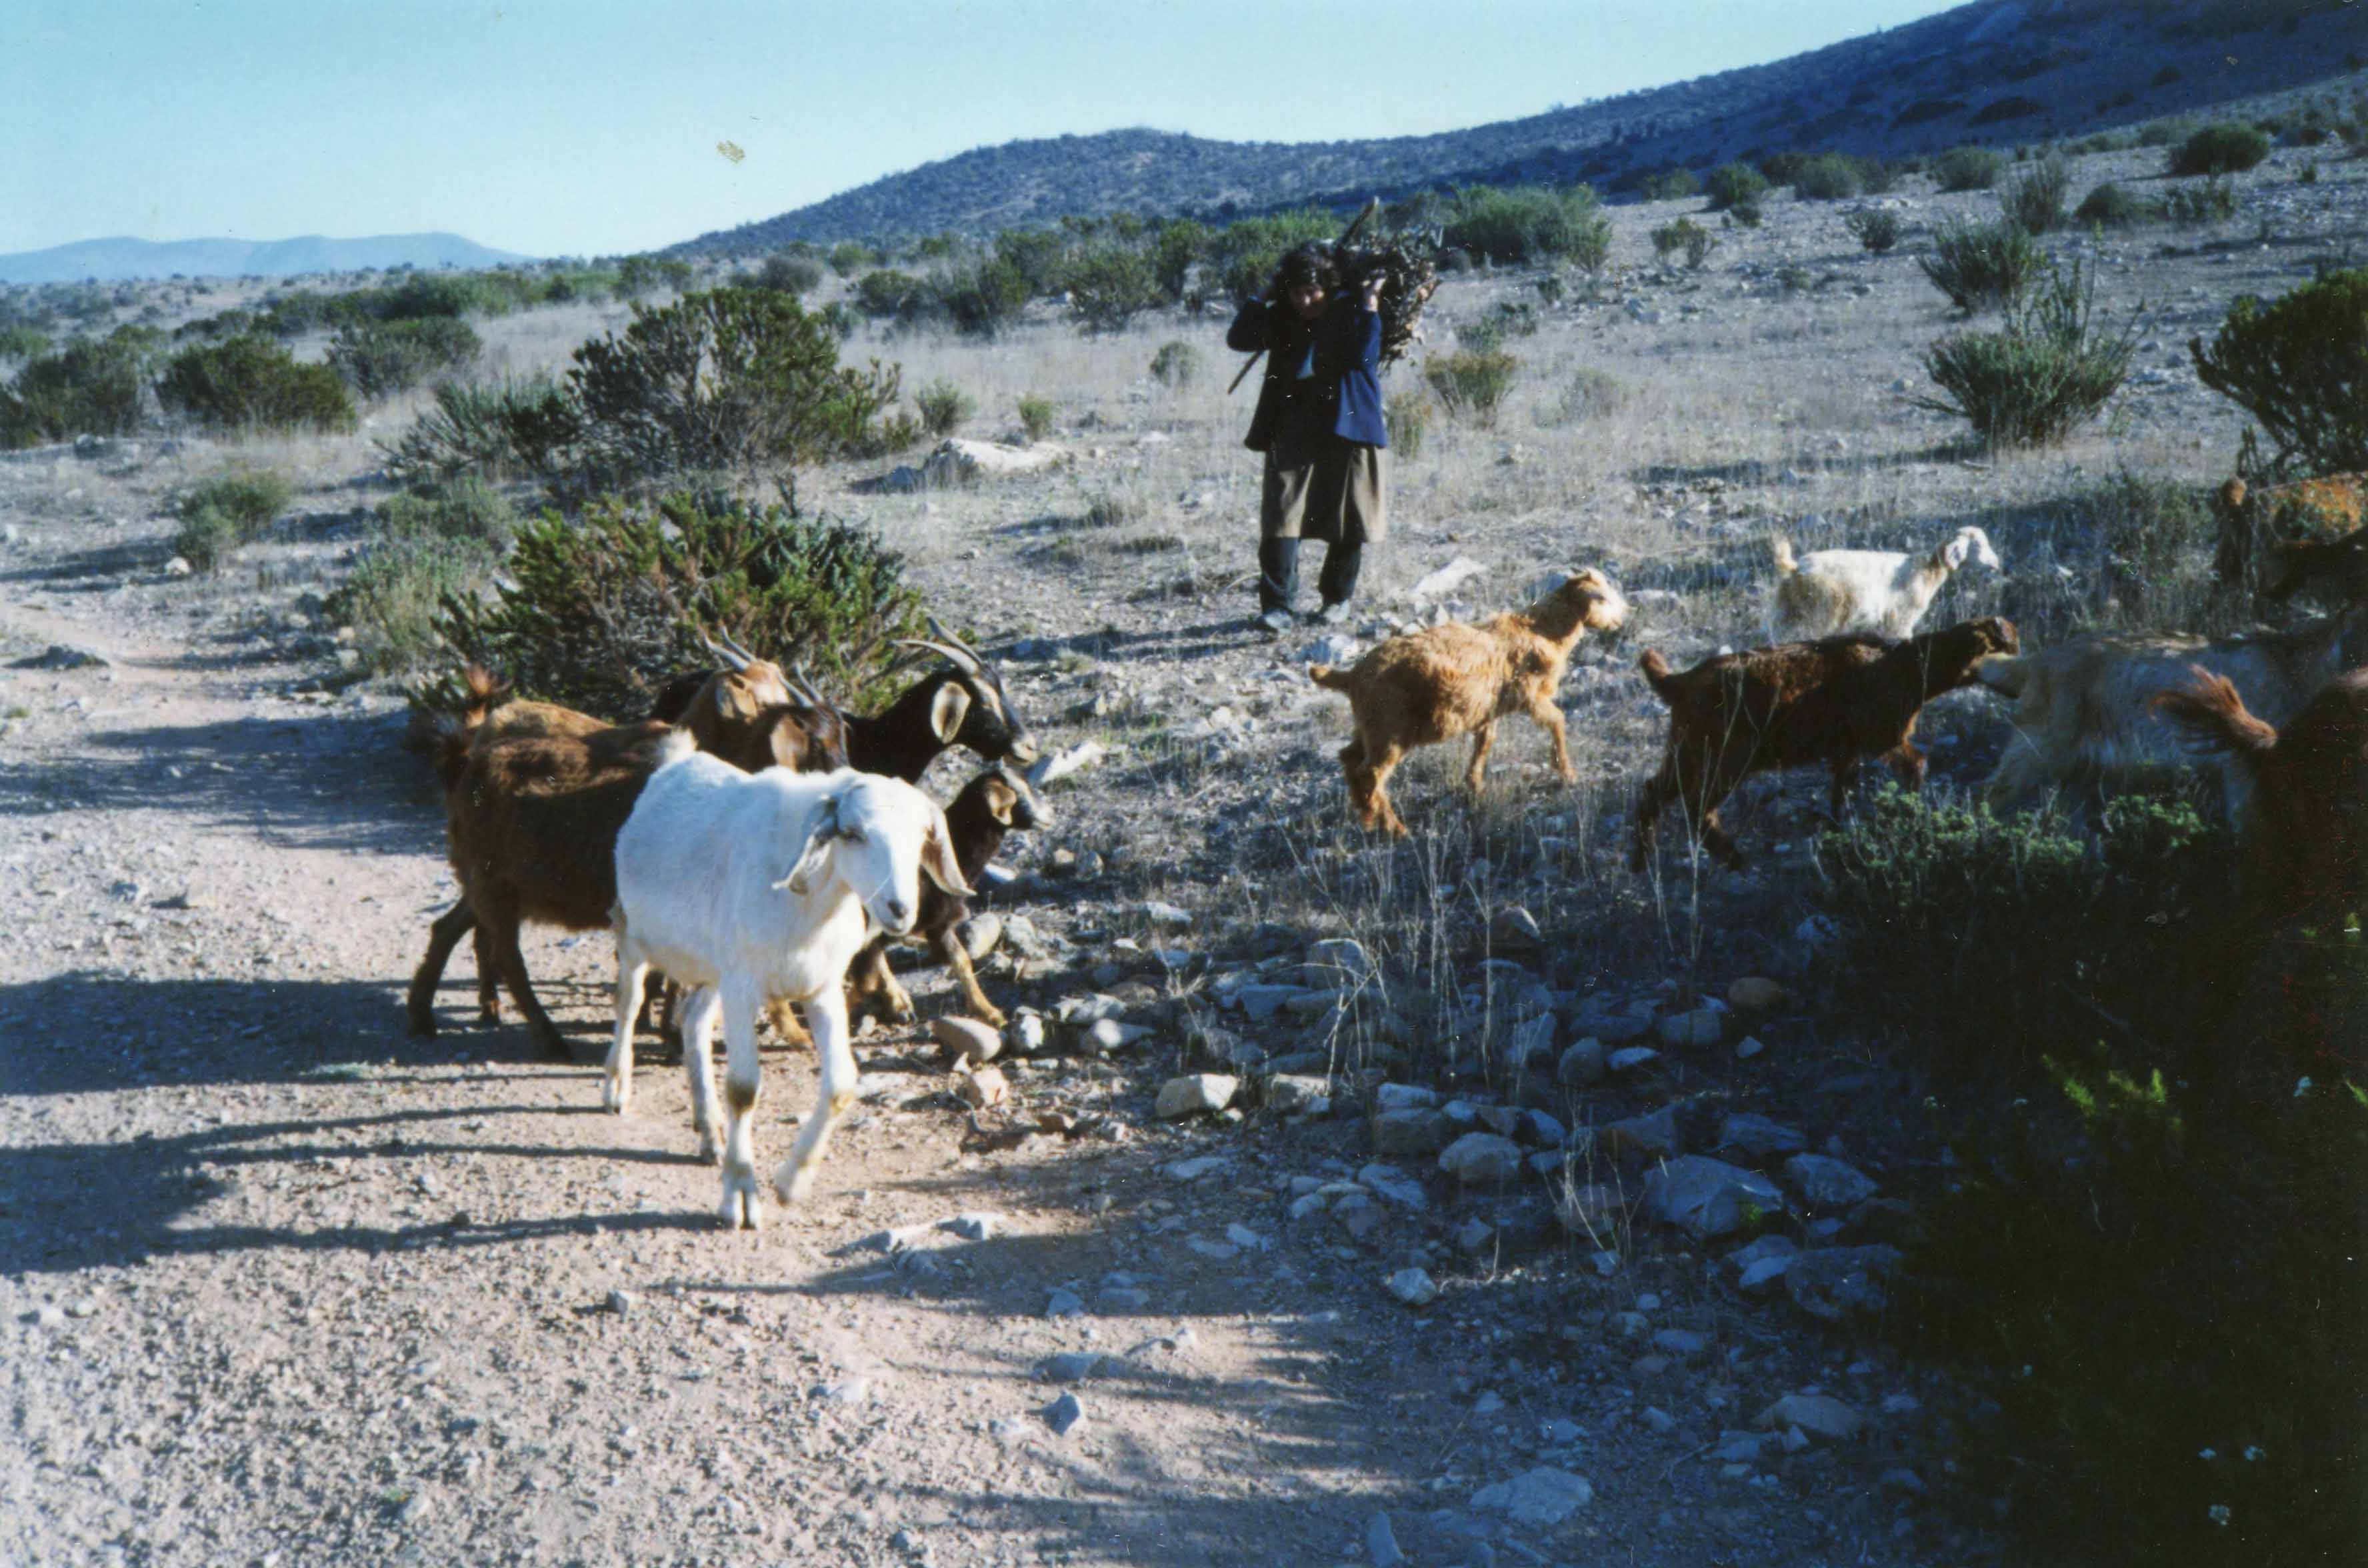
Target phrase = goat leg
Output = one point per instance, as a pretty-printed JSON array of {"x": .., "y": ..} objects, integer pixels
[
  {"x": 489, "y": 992},
  {"x": 741, "y": 1209},
  {"x": 511, "y": 964},
  {"x": 1549, "y": 718},
  {"x": 794, "y": 1181},
  {"x": 699, "y": 1015},
  {"x": 1484, "y": 740},
  {"x": 617, "y": 1085},
  {"x": 442, "y": 937},
  {"x": 958, "y": 960},
  {"x": 783, "y": 1016}
]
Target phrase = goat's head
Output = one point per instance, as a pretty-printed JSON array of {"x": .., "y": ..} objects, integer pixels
[
  {"x": 1970, "y": 547},
  {"x": 1012, "y": 800},
  {"x": 879, "y": 836},
  {"x": 1952, "y": 656},
  {"x": 2232, "y": 498},
  {"x": 1587, "y": 599},
  {"x": 968, "y": 706}
]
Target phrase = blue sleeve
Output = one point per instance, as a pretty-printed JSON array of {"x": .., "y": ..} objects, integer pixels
[
  {"x": 1248, "y": 332},
  {"x": 1368, "y": 335}
]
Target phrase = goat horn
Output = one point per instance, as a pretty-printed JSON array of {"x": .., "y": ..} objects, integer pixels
[
  {"x": 964, "y": 659},
  {"x": 731, "y": 643},
  {"x": 978, "y": 664},
  {"x": 805, "y": 688},
  {"x": 726, "y": 654}
]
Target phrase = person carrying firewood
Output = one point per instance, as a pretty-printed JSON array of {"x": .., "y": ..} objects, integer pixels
[{"x": 1319, "y": 425}]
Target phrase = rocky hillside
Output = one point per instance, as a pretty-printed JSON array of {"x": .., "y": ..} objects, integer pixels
[{"x": 1992, "y": 71}]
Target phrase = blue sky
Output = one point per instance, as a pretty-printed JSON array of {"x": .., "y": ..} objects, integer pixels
[{"x": 591, "y": 127}]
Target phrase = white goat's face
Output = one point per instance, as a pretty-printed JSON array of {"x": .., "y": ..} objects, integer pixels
[
  {"x": 1972, "y": 548},
  {"x": 881, "y": 836}
]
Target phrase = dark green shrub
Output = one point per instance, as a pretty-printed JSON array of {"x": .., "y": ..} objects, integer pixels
[
  {"x": 1513, "y": 318},
  {"x": 1669, "y": 184},
  {"x": 229, "y": 510},
  {"x": 984, "y": 299},
  {"x": 387, "y": 357},
  {"x": 1827, "y": 177},
  {"x": 466, "y": 508},
  {"x": 728, "y": 380},
  {"x": 1875, "y": 228},
  {"x": 2220, "y": 150},
  {"x": 1550, "y": 290},
  {"x": 1471, "y": 383},
  {"x": 2208, "y": 202},
  {"x": 1730, "y": 185},
  {"x": 1877, "y": 177},
  {"x": 2034, "y": 201},
  {"x": 943, "y": 407},
  {"x": 1783, "y": 169},
  {"x": 849, "y": 257},
  {"x": 91, "y": 387},
  {"x": 789, "y": 274},
  {"x": 1531, "y": 223},
  {"x": 252, "y": 383},
  {"x": 1246, "y": 252},
  {"x": 600, "y": 610},
  {"x": 1036, "y": 416},
  {"x": 1407, "y": 416},
  {"x": 1983, "y": 266},
  {"x": 1968, "y": 168},
  {"x": 885, "y": 292},
  {"x": 842, "y": 318},
  {"x": 502, "y": 430},
  {"x": 2112, "y": 207},
  {"x": 2298, "y": 365},
  {"x": 23, "y": 343},
  {"x": 1686, "y": 237},
  {"x": 1176, "y": 249},
  {"x": 398, "y": 593},
  {"x": 1176, "y": 365},
  {"x": 892, "y": 434},
  {"x": 1037, "y": 257},
  {"x": 2050, "y": 370},
  {"x": 1745, "y": 215},
  {"x": 1110, "y": 286}
]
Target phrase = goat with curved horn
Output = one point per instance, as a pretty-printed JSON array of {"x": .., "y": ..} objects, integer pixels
[{"x": 734, "y": 660}]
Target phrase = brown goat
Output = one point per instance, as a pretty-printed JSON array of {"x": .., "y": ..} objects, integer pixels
[
  {"x": 2304, "y": 837},
  {"x": 1431, "y": 686},
  {"x": 1835, "y": 702},
  {"x": 2254, "y": 522}
]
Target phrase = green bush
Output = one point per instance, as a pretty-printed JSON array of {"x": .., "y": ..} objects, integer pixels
[
  {"x": 2034, "y": 202},
  {"x": 387, "y": 357},
  {"x": 91, "y": 387},
  {"x": 1180, "y": 244},
  {"x": 1591, "y": 395},
  {"x": 2209, "y": 201},
  {"x": 943, "y": 407},
  {"x": 466, "y": 508},
  {"x": 1669, "y": 184},
  {"x": 1551, "y": 289},
  {"x": 886, "y": 292},
  {"x": 2220, "y": 150},
  {"x": 1176, "y": 365},
  {"x": 1471, "y": 383},
  {"x": 252, "y": 383},
  {"x": 1968, "y": 168},
  {"x": 984, "y": 299},
  {"x": 1036, "y": 416},
  {"x": 2112, "y": 207},
  {"x": 1245, "y": 253},
  {"x": 1513, "y": 318},
  {"x": 2049, "y": 371},
  {"x": 787, "y": 274},
  {"x": 1732, "y": 185},
  {"x": 729, "y": 380},
  {"x": 500, "y": 430},
  {"x": 1687, "y": 237},
  {"x": 1531, "y": 224},
  {"x": 1407, "y": 416},
  {"x": 849, "y": 257},
  {"x": 1983, "y": 266},
  {"x": 1110, "y": 285},
  {"x": 2298, "y": 365},
  {"x": 1876, "y": 229},
  {"x": 1039, "y": 258},
  {"x": 1745, "y": 215},
  {"x": 219, "y": 515},
  {"x": 23, "y": 343},
  {"x": 1829, "y": 176},
  {"x": 397, "y": 595},
  {"x": 600, "y": 610}
]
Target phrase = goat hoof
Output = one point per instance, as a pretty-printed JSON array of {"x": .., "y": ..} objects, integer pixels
[
  {"x": 554, "y": 1048},
  {"x": 741, "y": 1209},
  {"x": 993, "y": 1016},
  {"x": 796, "y": 1189},
  {"x": 423, "y": 1026},
  {"x": 615, "y": 1098},
  {"x": 711, "y": 1147}
]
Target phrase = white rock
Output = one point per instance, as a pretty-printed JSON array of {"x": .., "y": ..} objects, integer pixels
[
  {"x": 1818, "y": 1415},
  {"x": 1541, "y": 1498},
  {"x": 1482, "y": 1159},
  {"x": 1413, "y": 1287},
  {"x": 1461, "y": 570},
  {"x": 1196, "y": 1093},
  {"x": 1052, "y": 769},
  {"x": 967, "y": 1038}
]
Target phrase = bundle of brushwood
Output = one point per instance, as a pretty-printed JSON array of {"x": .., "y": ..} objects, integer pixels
[{"x": 1407, "y": 263}]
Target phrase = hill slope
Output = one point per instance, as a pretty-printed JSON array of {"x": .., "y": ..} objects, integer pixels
[
  {"x": 111, "y": 260},
  {"x": 1995, "y": 70}
]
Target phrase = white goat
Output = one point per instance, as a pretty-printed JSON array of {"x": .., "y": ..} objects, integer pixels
[
  {"x": 1829, "y": 592},
  {"x": 756, "y": 887}
]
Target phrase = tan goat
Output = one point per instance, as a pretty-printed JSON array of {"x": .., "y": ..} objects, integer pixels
[{"x": 1431, "y": 685}]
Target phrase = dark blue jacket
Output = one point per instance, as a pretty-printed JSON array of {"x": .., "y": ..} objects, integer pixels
[{"x": 1341, "y": 397}]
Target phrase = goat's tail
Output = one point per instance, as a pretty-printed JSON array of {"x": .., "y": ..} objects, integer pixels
[
  {"x": 2003, "y": 672},
  {"x": 444, "y": 738},
  {"x": 1332, "y": 678},
  {"x": 485, "y": 692},
  {"x": 1780, "y": 549},
  {"x": 1657, "y": 672},
  {"x": 2216, "y": 717}
]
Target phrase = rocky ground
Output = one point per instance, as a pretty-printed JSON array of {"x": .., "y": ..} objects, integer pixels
[{"x": 1467, "y": 1201}]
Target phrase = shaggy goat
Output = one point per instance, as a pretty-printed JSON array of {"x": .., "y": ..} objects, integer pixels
[
  {"x": 2304, "y": 837},
  {"x": 753, "y": 887},
  {"x": 995, "y": 803},
  {"x": 2085, "y": 709},
  {"x": 1834, "y": 701},
  {"x": 1425, "y": 687},
  {"x": 1829, "y": 592}
]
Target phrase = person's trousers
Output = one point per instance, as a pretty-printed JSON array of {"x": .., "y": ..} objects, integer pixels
[{"x": 1279, "y": 571}]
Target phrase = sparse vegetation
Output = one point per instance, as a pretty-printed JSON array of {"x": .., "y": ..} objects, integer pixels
[
  {"x": 2048, "y": 371},
  {"x": 1110, "y": 286},
  {"x": 2220, "y": 150},
  {"x": 501, "y": 430},
  {"x": 1983, "y": 266},
  {"x": 1876, "y": 229},
  {"x": 91, "y": 387},
  {"x": 1829, "y": 176},
  {"x": 1531, "y": 224},
  {"x": 1684, "y": 237},
  {"x": 253, "y": 384},
  {"x": 2206, "y": 202},
  {"x": 1471, "y": 383},
  {"x": 1036, "y": 416},
  {"x": 382, "y": 358},
  {"x": 467, "y": 508},
  {"x": 943, "y": 407},
  {"x": 1735, "y": 185},
  {"x": 1669, "y": 184},
  {"x": 2297, "y": 364},
  {"x": 1176, "y": 365},
  {"x": 2034, "y": 200},
  {"x": 2111, "y": 206},
  {"x": 1968, "y": 168},
  {"x": 1591, "y": 393},
  {"x": 1407, "y": 414},
  {"x": 223, "y": 514}
]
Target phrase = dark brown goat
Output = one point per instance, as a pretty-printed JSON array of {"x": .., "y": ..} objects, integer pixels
[
  {"x": 2303, "y": 836},
  {"x": 1835, "y": 702},
  {"x": 995, "y": 803}
]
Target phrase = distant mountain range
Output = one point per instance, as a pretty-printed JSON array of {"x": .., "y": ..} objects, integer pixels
[
  {"x": 119, "y": 259},
  {"x": 1995, "y": 71}
]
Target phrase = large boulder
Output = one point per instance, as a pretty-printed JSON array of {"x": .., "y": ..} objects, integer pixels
[
  {"x": 1708, "y": 1197},
  {"x": 957, "y": 462}
]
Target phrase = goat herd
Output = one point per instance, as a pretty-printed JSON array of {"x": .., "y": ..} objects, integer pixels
[{"x": 759, "y": 846}]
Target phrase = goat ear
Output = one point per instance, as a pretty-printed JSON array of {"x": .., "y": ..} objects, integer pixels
[
  {"x": 1954, "y": 554},
  {"x": 946, "y": 709},
  {"x": 1000, "y": 799},
  {"x": 734, "y": 699},
  {"x": 938, "y": 857},
  {"x": 817, "y": 850}
]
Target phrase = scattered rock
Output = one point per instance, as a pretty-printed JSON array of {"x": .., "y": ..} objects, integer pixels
[
  {"x": 1065, "y": 1414},
  {"x": 1334, "y": 648},
  {"x": 1382, "y": 1544},
  {"x": 1338, "y": 961},
  {"x": 1289, "y": 1094},
  {"x": 1073, "y": 1367},
  {"x": 1026, "y": 1034},
  {"x": 1839, "y": 1283},
  {"x": 1750, "y": 1133},
  {"x": 1482, "y": 1159},
  {"x": 960, "y": 461},
  {"x": 1541, "y": 1498},
  {"x": 1413, "y": 1287},
  {"x": 1748, "y": 1047},
  {"x": 1708, "y": 1197},
  {"x": 67, "y": 657},
  {"x": 1194, "y": 1169},
  {"x": 1828, "y": 1183},
  {"x": 1703, "y": 1025},
  {"x": 1589, "y": 1209},
  {"x": 1628, "y": 1058},
  {"x": 1405, "y": 1097},
  {"x": 1049, "y": 771},
  {"x": 1461, "y": 570},
  {"x": 967, "y": 1038},
  {"x": 983, "y": 1089},
  {"x": 1583, "y": 1064},
  {"x": 619, "y": 1302},
  {"x": 976, "y": 1226},
  {"x": 1196, "y": 1093},
  {"x": 1653, "y": 1136},
  {"x": 1063, "y": 1304},
  {"x": 1393, "y": 1186},
  {"x": 1755, "y": 994},
  {"x": 1106, "y": 1034},
  {"x": 1818, "y": 1415},
  {"x": 1409, "y": 1131},
  {"x": 1515, "y": 929}
]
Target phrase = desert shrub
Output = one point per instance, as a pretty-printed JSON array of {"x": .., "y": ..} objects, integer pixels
[
  {"x": 2034, "y": 201},
  {"x": 1245, "y": 253},
  {"x": 386, "y": 358},
  {"x": 23, "y": 343},
  {"x": 466, "y": 508},
  {"x": 1981, "y": 266},
  {"x": 1669, "y": 184},
  {"x": 1037, "y": 257},
  {"x": 1531, "y": 223},
  {"x": 887, "y": 435},
  {"x": 849, "y": 256},
  {"x": 399, "y": 590},
  {"x": 1783, "y": 169},
  {"x": 1471, "y": 383},
  {"x": 982, "y": 299},
  {"x": 2308, "y": 174},
  {"x": 727, "y": 380},
  {"x": 2156, "y": 1291},
  {"x": 1744, "y": 215},
  {"x": 942, "y": 407},
  {"x": 2207, "y": 201},
  {"x": 1407, "y": 414},
  {"x": 840, "y": 317},
  {"x": 1175, "y": 365},
  {"x": 1684, "y": 237},
  {"x": 1878, "y": 177},
  {"x": 1036, "y": 416},
  {"x": 1829, "y": 176},
  {"x": 91, "y": 387},
  {"x": 599, "y": 611},
  {"x": 2297, "y": 364},
  {"x": 2050, "y": 370},
  {"x": 1591, "y": 393},
  {"x": 1109, "y": 286},
  {"x": 886, "y": 292},
  {"x": 497, "y": 431},
  {"x": 1968, "y": 168},
  {"x": 1513, "y": 318},
  {"x": 219, "y": 515},
  {"x": 1551, "y": 289},
  {"x": 2220, "y": 150},
  {"x": 787, "y": 274},
  {"x": 1179, "y": 246},
  {"x": 2112, "y": 207},
  {"x": 1875, "y": 228},
  {"x": 252, "y": 383},
  {"x": 1732, "y": 185}
]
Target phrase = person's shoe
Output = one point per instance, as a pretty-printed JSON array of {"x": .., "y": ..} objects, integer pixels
[
  {"x": 1336, "y": 614},
  {"x": 1277, "y": 621}
]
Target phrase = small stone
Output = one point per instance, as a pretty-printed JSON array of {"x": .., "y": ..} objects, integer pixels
[
  {"x": 1195, "y": 1094},
  {"x": 1627, "y": 1059},
  {"x": 1748, "y": 1132},
  {"x": 1682, "y": 1342},
  {"x": 1755, "y": 994},
  {"x": 1582, "y": 1065},
  {"x": 82, "y": 1307},
  {"x": 854, "y": 1391},
  {"x": 1541, "y": 1498},
  {"x": 1708, "y": 1197},
  {"x": 1289, "y": 1094},
  {"x": 1659, "y": 1420},
  {"x": 982, "y": 1090},
  {"x": 1393, "y": 1186},
  {"x": 176, "y": 567},
  {"x": 1197, "y": 1167},
  {"x": 1515, "y": 929},
  {"x": 1828, "y": 1184},
  {"x": 1413, "y": 1285},
  {"x": 1409, "y": 1131},
  {"x": 1122, "y": 1299},
  {"x": 976, "y": 1226},
  {"x": 1065, "y": 1414},
  {"x": 1703, "y": 1025},
  {"x": 1026, "y": 1034},
  {"x": 1482, "y": 1159},
  {"x": 1591, "y": 1209},
  {"x": 1405, "y": 1097},
  {"x": 1738, "y": 1447},
  {"x": 1839, "y": 1283},
  {"x": 1653, "y": 1136},
  {"x": 1063, "y": 1304},
  {"x": 1473, "y": 1237},
  {"x": 1382, "y": 1544},
  {"x": 1748, "y": 1047},
  {"x": 1338, "y": 962},
  {"x": 1168, "y": 914},
  {"x": 1073, "y": 1367},
  {"x": 621, "y": 1302},
  {"x": 48, "y": 1317},
  {"x": 967, "y": 1038},
  {"x": 1106, "y": 1034},
  {"x": 1818, "y": 1415}
]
